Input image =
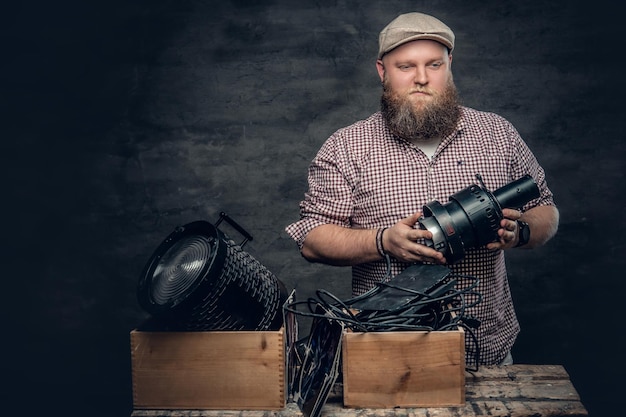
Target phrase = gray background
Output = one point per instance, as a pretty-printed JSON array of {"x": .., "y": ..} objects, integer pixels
[{"x": 125, "y": 119}]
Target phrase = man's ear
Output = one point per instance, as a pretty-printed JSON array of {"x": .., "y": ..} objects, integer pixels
[{"x": 380, "y": 67}]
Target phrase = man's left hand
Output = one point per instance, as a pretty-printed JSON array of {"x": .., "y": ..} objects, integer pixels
[{"x": 508, "y": 234}]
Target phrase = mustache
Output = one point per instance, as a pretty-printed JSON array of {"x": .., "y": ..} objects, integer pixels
[{"x": 421, "y": 90}]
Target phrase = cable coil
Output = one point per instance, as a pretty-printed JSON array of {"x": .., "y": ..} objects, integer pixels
[{"x": 421, "y": 298}]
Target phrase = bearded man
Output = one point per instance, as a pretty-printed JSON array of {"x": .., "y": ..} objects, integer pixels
[{"x": 369, "y": 181}]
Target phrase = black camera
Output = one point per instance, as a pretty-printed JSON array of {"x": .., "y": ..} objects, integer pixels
[{"x": 472, "y": 216}]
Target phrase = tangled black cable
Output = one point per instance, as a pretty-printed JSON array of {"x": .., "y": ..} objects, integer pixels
[{"x": 390, "y": 306}]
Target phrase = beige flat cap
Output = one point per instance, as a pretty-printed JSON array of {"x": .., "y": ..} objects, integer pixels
[{"x": 413, "y": 26}]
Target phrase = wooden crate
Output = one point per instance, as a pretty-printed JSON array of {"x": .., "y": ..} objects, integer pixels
[
  {"x": 403, "y": 369},
  {"x": 208, "y": 370}
]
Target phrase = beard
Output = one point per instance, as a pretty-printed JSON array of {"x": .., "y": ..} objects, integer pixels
[{"x": 422, "y": 120}]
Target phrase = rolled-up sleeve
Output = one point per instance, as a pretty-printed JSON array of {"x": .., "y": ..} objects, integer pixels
[{"x": 329, "y": 197}]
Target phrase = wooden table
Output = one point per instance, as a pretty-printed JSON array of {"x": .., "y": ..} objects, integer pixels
[{"x": 515, "y": 391}]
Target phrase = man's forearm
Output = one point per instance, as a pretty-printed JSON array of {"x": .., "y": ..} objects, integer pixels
[
  {"x": 543, "y": 222},
  {"x": 341, "y": 246}
]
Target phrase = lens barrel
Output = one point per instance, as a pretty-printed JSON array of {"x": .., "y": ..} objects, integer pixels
[{"x": 517, "y": 193}]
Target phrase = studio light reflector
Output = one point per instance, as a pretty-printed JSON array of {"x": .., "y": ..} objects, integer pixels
[{"x": 200, "y": 279}]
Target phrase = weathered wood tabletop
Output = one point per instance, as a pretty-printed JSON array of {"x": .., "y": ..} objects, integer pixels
[{"x": 516, "y": 391}]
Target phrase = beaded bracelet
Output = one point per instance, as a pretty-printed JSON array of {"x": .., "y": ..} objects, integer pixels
[{"x": 379, "y": 241}]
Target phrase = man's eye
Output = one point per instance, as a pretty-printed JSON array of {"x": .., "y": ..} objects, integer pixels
[{"x": 436, "y": 64}]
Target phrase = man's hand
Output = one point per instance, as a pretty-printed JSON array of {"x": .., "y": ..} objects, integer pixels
[
  {"x": 543, "y": 222},
  {"x": 401, "y": 242},
  {"x": 508, "y": 234}
]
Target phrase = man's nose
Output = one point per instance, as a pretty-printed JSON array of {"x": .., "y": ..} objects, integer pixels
[{"x": 420, "y": 76}]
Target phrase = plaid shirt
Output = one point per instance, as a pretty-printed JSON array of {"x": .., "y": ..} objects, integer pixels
[{"x": 363, "y": 177}]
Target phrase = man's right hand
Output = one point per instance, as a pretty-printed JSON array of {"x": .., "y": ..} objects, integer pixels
[{"x": 404, "y": 242}]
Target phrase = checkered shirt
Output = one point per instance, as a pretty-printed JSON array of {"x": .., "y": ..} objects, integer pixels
[{"x": 363, "y": 177}]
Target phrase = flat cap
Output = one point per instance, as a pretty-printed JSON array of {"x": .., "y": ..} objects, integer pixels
[{"x": 413, "y": 26}]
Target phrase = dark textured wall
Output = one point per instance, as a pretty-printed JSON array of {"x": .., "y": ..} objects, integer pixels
[{"x": 122, "y": 120}]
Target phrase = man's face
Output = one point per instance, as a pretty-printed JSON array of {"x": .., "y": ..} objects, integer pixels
[
  {"x": 418, "y": 70},
  {"x": 419, "y": 100}
]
